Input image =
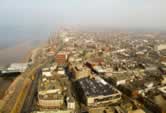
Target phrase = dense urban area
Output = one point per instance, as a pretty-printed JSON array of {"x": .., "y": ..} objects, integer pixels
[{"x": 77, "y": 71}]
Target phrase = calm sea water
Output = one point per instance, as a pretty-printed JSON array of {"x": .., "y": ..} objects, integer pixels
[{"x": 16, "y": 42}]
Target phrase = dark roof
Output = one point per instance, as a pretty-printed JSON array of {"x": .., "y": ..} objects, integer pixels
[{"x": 92, "y": 87}]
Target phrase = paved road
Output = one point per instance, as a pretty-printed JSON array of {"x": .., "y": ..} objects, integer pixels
[{"x": 36, "y": 58}]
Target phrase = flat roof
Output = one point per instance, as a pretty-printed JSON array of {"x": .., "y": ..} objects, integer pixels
[
  {"x": 101, "y": 110},
  {"x": 121, "y": 76},
  {"x": 94, "y": 87},
  {"x": 137, "y": 111},
  {"x": 49, "y": 85},
  {"x": 55, "y": 111},
  {"x": 54, "y": 96}
]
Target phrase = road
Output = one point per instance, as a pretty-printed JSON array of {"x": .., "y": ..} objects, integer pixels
[
  {"x": 7, "y": 80},
  {"x": 36, "y": 58}
]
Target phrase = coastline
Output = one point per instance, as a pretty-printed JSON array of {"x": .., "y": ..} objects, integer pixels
[{"x": 18, "y": 53}]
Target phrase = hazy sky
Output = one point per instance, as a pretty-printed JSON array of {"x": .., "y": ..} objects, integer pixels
[{"x": 44, "y": 15}]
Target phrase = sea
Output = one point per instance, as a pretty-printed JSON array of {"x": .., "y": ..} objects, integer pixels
[{"x": 17, "y": 41}]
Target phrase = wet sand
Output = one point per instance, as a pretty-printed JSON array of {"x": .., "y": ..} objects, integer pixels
[
  {"x": 17, "y": 53},
  {"x": 4, "y": 84}
]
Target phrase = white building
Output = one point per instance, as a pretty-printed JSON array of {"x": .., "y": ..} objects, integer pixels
[
  {"x": 20, "y": 67},
  {"x": 71, "y": 103},
  {"x": 163, "y": 90},
  {"x": 161, "y": 47}
]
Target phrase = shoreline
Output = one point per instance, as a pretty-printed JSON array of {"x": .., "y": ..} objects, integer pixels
[{"x": 18, "y": 53}]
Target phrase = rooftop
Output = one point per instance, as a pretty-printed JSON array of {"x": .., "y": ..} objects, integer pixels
[
  {"x": 137, "y": 111},
  {"x": 101, "y": 110},
  {"x": 55, "y": 111},
  {"x": 96, "y": 87},
  {"x": 121, "y": 76},
  {"x": 50, "y": 88}
]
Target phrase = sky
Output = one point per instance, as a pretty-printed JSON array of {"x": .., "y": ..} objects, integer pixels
[{"x": 29, "y": 18}]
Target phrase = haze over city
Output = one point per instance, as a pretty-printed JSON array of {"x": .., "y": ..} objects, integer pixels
[{"x": 24, "y": 19}]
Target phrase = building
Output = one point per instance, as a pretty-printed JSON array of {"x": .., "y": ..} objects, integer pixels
[
  {"x": 152, "y": 103},
  {"x": 46, "y": 72},
  {"x": 50, "y": 93},
  {"x": 101, "y": 110},
  {"x": 54, "y": 111},
  {"x": 20, "y": 67},
  {"x": 163, "y": 90},
  {"x": 60, "y": 70},
  {"x": 161, "y": 47},
  {"x": 50, "y": 99},
  {"x": 120, "y": 78},
  {"x": 96, "y": 91},
  {"x": 80, "y": 71},
  {"x": 61, "y": 58},
  {"x": 99, "y": 69},
  {"x": 163, "y": 81},
  {"x": 137, "y": 111},
  {"x": 71, "y": 103}
]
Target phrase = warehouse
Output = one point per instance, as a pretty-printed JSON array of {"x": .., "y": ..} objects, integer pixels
[{"x": 95, "y": 91}]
